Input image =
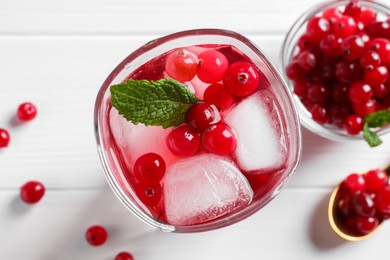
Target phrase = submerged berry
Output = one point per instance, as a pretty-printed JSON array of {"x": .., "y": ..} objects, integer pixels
[
  {"x": 149, "y": 193},
  {"x": 219, "y": 139},
  {"x": 242, "y": 79},
  {"x": 181, "y": 65},
  {"x": 218, "y": 95},
  {"x": 149, "y": 167},
  {"x": 212, "y": 66},
  {"x": 201, "y": 115},
  {"x": 182, "y": 141}
]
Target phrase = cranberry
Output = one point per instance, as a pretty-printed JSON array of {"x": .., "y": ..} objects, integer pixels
[
  {"x": 301, "y": 87},
  {"x": 382, "y": 201},
  {"x": 363, "y": 204},
  {"x": 181, "y": 65},
  {"x": 370, "y": 59},
  {"x": 318, "y": 93},
  {"x": 360, "y": 92},
  {"x": 376, "y": 76},
  {"x": 375, "y": 180},
  {"x": 27, "y": 111},
  {"x": 332, "y": 13},
  {"x": 345, "y": 206},
  {"x": 242, "y": 79},
  {"x": 348, "y": 71},
  {"x": 380, "y": 91},
  {"x": 366, "y": 225},
  {"x": 182, "y": 141},
  {"x": 338, "y": 112},
  {"x": 4, "y": 138},
  {"x": 32, "y": 192},
  {"x": 344, "y": 26},
  {"x": 379, "y": 29},
  {"x": 219, "y": 139},
  {"x": 318, "y": 28},
  {"x": 353, "y": 124},
  {"x": 340, "y": 92},
  {"x": 382, "y": 47},
  {"x": 149, "y": 167},
  {"x": 366, "y": 16},
  {"x": 353, "y": 9},
  {"x": 294, "y": 71},
  {"x": 331, "y": 45},
  {"x": 319, "y": 114},
  {"x": 149, "y": 193},
  {"x": 124, "y": 256},
  {"x": 307, "y": 60},
  {"x": 354, "y": 183},
  {"x": 201, "y": 115},
  {"x": 353, "y": 47},
  {"x": 219, "y": 96},
  {"x": 365, "y": 108},
  {"x": 212, "y": 66},
  {"x": 305, "y": 43},
  {"x": 96, "y": 235}
]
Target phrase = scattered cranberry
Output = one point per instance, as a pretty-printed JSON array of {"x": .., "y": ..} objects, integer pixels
[
  {"x": 32, "y": 192},
  {"x": 218, "y": 95},
  {"x": 124, "y": 256},
  {"x": 96, "y": 235},
  {"x": 149, "y": 193},
  {"x": 149, "y": 167},
  {"x": 181, "y": 65},
  {"x": 27, "y": 111},
  {"x": 219, "y": 139},
  {"x": 212, "y": 66},
  {"x": 4, "y": 138},
  {"x": 182, "y": 141},
  {"x": 241, "y": 78},
  {"x": 201, "y": 115}
]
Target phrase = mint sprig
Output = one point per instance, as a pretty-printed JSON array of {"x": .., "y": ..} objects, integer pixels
[
  {"x": 374, "y": 120},
  {"x": 157, "y": 103}
]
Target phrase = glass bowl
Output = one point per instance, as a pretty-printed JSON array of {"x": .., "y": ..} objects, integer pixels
[
  {"x": 290, "y": 49},
  {"x": 116, "y": 171}
]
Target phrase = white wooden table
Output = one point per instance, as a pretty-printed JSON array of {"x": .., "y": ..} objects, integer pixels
[{"x": 56, "y": 54}]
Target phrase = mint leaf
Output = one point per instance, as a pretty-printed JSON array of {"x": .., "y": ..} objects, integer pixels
[
  {"x": 378, "y": 119},
  {"x": 371, "y": 138},
  {"x": 158, "y": 103}
]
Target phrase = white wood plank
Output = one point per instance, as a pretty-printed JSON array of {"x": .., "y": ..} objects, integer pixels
[
  {"x": 152, "y": 16},
  {"x": 294, "y": 224}
]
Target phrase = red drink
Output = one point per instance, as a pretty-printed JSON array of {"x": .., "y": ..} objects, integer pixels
[{"x": 231, "y": 155}]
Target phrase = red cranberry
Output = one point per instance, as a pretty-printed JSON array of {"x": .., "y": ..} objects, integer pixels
[
  {"x": 338, "y": 112},
  {"x": 353, "y": 124},
  {"x": 360, "y": 92},
  {"x": 212, "y": 66},
  {"x": 96, "y": 235},
  {"x": 376, "y": 76},
  {"x": 379, "y": 29},
  {"x": 365, "y": 108},
  {"x": 318, "y": 28},
  {"x": 380, "y": 91},
  {"x": 201, "y": 115},
  {"x": 370, "y": 59},
  {"x": 382, "y": 47},
  {"x": 305, "y": 43},
  {"x": 332, "y": 13},
  {"x": 219, "y": 96},
  {"x": 354, "y": 183},
  {"x": 345, "y": 206},
  {"x": 124, "y": 256},
  {"x": 32, "y": 192},
  {"x": 182, "y": 141},
  {"x": 4, "y": 138},
  {"x": 149, "y": 193},
  {"x": 27, "y": 111},
  {"x": 366, "y": 225},
  {"x": 353, "y": 9},
  {"x": 348, "y": 71},
  {"x": 242, "y": 79},
  {"x": 382, "y": 201},
  {"x": 301, "y": 87},
  {"x": 318, "y": 93},
  {"x": 149, "y": 167},
  {"x": 219, "y": 139},
  {"x": 363, "y": 204},
  {"x": 331, "y": 46},
  {"x": 319, "y": 114},
  {"x": 366, "y": 16},
  {"x": 181, "y": 65},
  {"x": 294, "y": 71},
  {"x": 344, "y": 26},
  {"x": 353, "y": 47},
  {"x": 375, "y": 180},
  {"x": 307, "y": 60},
  {"x": 340, "y": 92}
]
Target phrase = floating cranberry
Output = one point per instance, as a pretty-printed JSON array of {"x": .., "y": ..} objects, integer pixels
[
  {"x": 4, "y": 138},
  {"x": 32, "y": 192},
  {"x": 149, "y": 193},
  {"x": 149, "y": 167},
  {"x": 181, "y": 65},
  {"x": 242, "y": 79},
  {"x": 353, "y": 124},
  {"x": 182, "y": 141},
  {"x": 27, "y": 111},
  {"x": 375, "y": 180},
  {"x": 218, "y": 95},
  {"x": 201, "y": 115},
  {"x": 124, "y": 256},
  {"x": 219, "y": 139},
  {"x": 212, "y": 66},
  {"x": 96, "y": 235}
]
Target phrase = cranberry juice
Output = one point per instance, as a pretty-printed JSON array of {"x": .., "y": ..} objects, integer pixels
[{"x": 231, "y": 151}]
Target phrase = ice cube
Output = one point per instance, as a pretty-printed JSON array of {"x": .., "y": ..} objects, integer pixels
[
  {"x": 202, "y": 188},
  {"x": 136, "y": 140},
  {"x": 260, "y": 139}
]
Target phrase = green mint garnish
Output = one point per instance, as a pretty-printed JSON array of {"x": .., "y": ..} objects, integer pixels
[
  {"x": 157, "y": 103},
  {"x": 376, "y": 119}
]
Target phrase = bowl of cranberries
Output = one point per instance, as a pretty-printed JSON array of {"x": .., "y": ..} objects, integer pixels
[
  {"x": 336, "y": 59},
  {"x": 360, "y": 204}
]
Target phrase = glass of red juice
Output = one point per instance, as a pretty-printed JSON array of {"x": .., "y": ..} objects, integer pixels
[{"x": 238, "y": 144}]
